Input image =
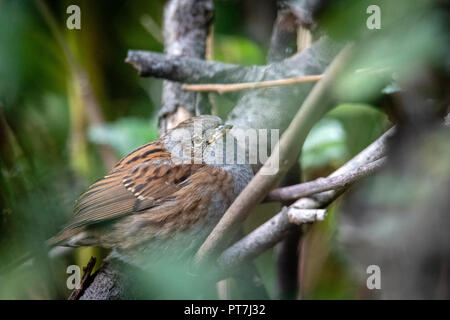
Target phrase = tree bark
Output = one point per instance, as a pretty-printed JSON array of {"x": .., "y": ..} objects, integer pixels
[{"x": 186, "y": 27}]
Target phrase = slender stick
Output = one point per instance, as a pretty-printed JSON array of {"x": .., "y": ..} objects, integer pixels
[{"x": 222, "y": 88}]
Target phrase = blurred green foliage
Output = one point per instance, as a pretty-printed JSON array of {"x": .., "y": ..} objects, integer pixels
[
  {"x": 325, "y": 144},
  {"x": 125, "y": 134},
  {"x": 238, "y": 50}
]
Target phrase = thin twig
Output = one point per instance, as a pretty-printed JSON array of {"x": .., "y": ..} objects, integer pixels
[
  {"x": 323, "y": 184},
  {"x": 222, "y": 88},
  {"x": 198, "y": 71},
  {"x": 231, "y": 87},
  {"x": 284, "y": 35}
]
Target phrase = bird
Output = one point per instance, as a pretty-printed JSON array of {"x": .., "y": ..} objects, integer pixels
[{"x": 164, "y": 198}]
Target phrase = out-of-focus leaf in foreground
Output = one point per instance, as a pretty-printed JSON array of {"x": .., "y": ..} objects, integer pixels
[{"x": 125, "y": 134}]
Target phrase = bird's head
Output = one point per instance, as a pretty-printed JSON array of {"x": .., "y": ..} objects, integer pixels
[{"x": 197, "y": 138}]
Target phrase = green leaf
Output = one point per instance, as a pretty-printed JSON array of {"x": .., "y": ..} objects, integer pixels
[
  {"x": 362, "y": 124},
  {"x": 237, "y": 50},
  {"x": 124, "y": 135},
  {"x": 326, "y": 143}
]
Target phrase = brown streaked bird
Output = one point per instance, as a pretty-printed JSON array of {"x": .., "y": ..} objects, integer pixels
[{"x": 162, "y": 199}]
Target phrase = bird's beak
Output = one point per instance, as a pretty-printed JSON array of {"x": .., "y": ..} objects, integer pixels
[{"x": 221, "y": 131}]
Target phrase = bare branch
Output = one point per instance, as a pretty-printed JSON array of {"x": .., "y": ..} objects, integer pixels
[
  {"x": 113, "y": 281},
  {"x": 324, "y": 184},
  {"x": 291, "y": 18},
  {"x": 195, "y": 70},
  {"x": 287, "y": 256},
  {"x": 182, "y": 69},
  {"x": 186, "y": 26}
]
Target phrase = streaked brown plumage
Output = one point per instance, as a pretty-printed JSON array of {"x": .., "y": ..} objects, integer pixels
[{"x": 151, "y": 203}]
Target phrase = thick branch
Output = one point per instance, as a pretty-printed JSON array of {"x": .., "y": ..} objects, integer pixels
[
  {"x": 287, "y": 259},
  {"x": 186, "y": 27},
  {"x": 180, "y": 69},
  {"x": 115, "y": 280},
  {"x": 283, "y": 42},
  {"x": 194, "y": 70},
  {"x": 291, "y": 15}
]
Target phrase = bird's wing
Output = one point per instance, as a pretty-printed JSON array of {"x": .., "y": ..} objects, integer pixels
[{"x": 140, "y": 181}]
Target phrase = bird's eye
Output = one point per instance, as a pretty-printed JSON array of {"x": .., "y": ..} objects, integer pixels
[{"x": 197, "y": 140}]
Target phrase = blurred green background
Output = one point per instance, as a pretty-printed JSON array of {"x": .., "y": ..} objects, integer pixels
[{"x": 70, "y": 107}]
